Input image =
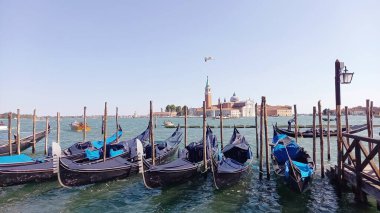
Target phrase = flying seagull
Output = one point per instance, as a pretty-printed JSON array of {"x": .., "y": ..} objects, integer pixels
[{"x": 208, "y": 58}]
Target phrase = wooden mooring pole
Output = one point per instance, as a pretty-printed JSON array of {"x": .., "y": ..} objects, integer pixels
[
  {"x": 347, "y": 129},
  {"x": 10, "y": 133},
  {"x": 314, "y": 137},
  {"x": 295, "y": 124},
  {"x": 105, "y": 133},
  {"x": 257, "y": 133},
  {"x": 221, "y": 125},
  {"x": 152, "y": 134},
  {"x": 368, "y": 123},
  {"x": 321, "y": 139},
  {"x": 266, "y": 138},
  {"x": 34, "y": 132},
  {"x": 58, "y": 127},
  {"x": 338, "y": 66},
  {"x": 328, "y": 135},
  {"x": 261, "y": 141},
  {"x": 204, "y": 137},
  {"x": 371, "y": 117},
  {"x": 84, "y": 123},
  {"x": 117, "y": 124},
  {"x": 18, "y": 132},
  {"x": 185, "y": 125},
  {"x": 46, "y": 135}
]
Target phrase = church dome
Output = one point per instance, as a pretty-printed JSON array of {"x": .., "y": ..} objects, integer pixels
[{"x": 234, "y": 98}]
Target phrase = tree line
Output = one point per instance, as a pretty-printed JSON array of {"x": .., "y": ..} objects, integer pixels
[{"x": 179, "y": 109}]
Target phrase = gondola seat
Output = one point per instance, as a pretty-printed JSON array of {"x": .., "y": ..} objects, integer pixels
[{"x": 195, "y": 152}]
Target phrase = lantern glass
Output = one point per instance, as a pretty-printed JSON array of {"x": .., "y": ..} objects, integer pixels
[{"x": 346, "y": 77}]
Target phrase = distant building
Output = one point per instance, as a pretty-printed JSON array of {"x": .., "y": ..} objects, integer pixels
[
  {"x": 234, "y": 108},
  {"x": 165, "y": 114},
  {"x": 359, "y": 110},
  {"x": 278, "y": 110}
]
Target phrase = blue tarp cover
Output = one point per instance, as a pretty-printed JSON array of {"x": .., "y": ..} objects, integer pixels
[
  {"x": 116, "y": 153},
  {"x": 281, "y": 155},
  {"x": 279, "y": 150},
  {"x": 278, "y": 137},
  {"x": 92, "y": 154},
  {"x": 99, "y": 144},
  {"x": 304, "y": 168},
  {"x": 15, "y": 159}
]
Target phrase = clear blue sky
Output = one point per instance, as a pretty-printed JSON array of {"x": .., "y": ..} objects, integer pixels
[{"x": 63, "y": 55}]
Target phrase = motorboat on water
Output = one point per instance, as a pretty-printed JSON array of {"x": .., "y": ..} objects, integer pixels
[{"x": 79, "y": 126}]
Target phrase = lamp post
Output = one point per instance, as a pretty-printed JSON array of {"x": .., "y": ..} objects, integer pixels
[{"x": 340, "y": 78}]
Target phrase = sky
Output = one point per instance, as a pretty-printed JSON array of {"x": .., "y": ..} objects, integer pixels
[{"x": 58, "y": 56}]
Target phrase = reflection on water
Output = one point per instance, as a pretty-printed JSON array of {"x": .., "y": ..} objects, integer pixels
[{"x": 196, "y": 195}]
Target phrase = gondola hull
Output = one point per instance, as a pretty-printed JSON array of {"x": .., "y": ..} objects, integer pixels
[
  {"x": 301, "y": 185},
  {"x": 38, "y": 172},
  {"x": 112, "y": 169},
  {"x": 296, "y": 183},
  {"x": 24, "y": 144},
  {"x": 73, "y": 174},
  {"x": 354, "y": 129},
  {"x": 227, "y": 179},
  {"x": 294, "y": 180},
  {"x": 168, "y": 177}
]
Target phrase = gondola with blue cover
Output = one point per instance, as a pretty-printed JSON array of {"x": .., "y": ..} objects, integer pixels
[
  {"x": 291, "y": 162},
  {"x": 79, "y": 147},
  {"x": 233, "y": 162},
  {"x": 189, "y": 164},
  {"x": 122, "y": 160},
  {"x": 20, "y": 169}
]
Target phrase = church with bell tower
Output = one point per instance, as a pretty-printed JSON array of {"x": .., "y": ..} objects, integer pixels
[
  {"x": 208, "y": 96},
  {"x": 234, "y": 108}
]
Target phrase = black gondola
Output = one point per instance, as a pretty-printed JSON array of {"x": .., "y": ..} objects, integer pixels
[
  {"x": 85, "y": 171},
  {"x": 189, "y": 164},
  {"x": 291, "y": 162},
  {"x": 22, "y": 169},
  {"x": 24, "y": 143},
  {"x": 309, "y": 133},
  {"x": 234, "y": 161}
]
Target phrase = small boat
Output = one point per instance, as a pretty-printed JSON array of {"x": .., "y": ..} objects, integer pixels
[
  {"x": 24, "y": 143},
  {"x": 168, "y": 124},
  {"x": 122, "y": 160},
  {"x": 3, "y": 126},
  {"x": 189, "y": 164},
  {"x": 291, "y": 162},
  {"x": 79, "y": 126},
  {"x": 224, "y": 117},
  {"x": 331, "y": 119},
  {"x": 309, "y": 133},
  {"x": 20, "y": 169},
  {"x": 233, "y": 162}
]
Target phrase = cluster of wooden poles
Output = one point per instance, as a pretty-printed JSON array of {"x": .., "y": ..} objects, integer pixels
[
  {"x": 262, "y": 133},
  {"x": 18, "y": 129}
]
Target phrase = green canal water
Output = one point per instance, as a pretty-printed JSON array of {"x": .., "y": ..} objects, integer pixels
[{"x": 197, "y": 195}]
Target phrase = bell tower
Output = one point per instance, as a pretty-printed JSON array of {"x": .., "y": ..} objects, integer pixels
[{"x": 208, "y": 95}]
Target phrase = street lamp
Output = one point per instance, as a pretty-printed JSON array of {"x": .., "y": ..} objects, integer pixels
[
  {"x": 346, "y": 77},
  {"x": 340, "y": 78}
]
